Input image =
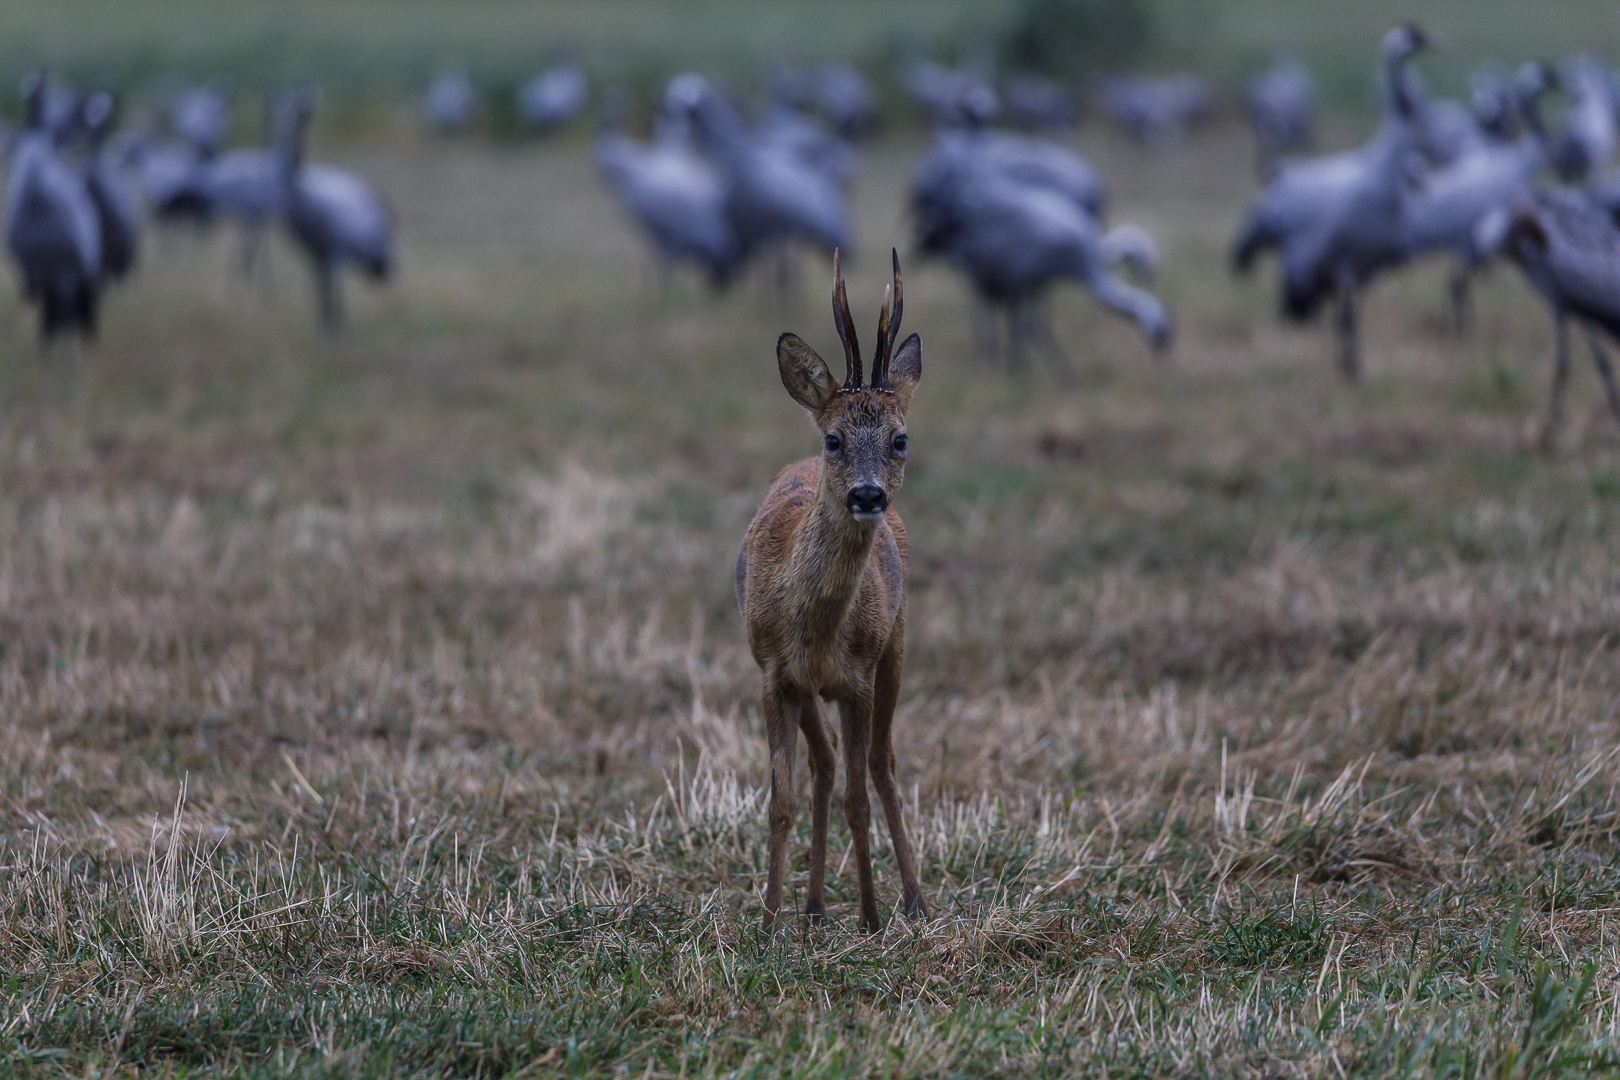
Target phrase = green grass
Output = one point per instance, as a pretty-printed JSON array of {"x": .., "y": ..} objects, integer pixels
[
  {"x": 368, "y": 52},
  {"x": 1252, "y": 725}
]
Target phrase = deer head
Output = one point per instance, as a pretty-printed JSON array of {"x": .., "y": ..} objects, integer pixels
[{"x": 863, "y": 428}]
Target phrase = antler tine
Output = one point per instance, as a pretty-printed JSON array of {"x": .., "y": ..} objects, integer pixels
[
  {"x": 879, "y": 367},
  {"x": 846, "y": 329},
  {"x": 892, "y": 324}
]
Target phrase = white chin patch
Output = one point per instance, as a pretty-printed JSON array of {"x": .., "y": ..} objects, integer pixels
[{"x": 867, "y": 515}]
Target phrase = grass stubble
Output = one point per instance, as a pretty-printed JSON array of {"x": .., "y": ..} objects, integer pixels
[{"x": 379, "y": 707}]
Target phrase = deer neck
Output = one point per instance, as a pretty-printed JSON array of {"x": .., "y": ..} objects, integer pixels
[{"x": 829, "y": 559}]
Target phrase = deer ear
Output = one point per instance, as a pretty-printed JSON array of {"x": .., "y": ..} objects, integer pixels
[
  {"x": 804, "y": 373},
  {"x": 905, "y": 370}
]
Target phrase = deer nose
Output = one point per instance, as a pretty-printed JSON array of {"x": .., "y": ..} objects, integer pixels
[{"x": 867, "y": 500}]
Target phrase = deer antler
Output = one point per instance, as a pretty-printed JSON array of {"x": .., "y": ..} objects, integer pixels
[
  {"x": 846, "y": 330},
  {"x": 888, "y": 328}
]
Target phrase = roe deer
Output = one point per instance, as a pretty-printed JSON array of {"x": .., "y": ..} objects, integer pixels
[{"x": 821, "y": 584}]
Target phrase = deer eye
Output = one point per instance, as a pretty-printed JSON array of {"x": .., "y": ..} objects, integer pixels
[
  {"x": 900, "y": 443},
  {"x": 834, "y": 443}
]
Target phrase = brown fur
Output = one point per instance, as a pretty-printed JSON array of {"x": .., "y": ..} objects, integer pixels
[{"x": 823, "y": 598}]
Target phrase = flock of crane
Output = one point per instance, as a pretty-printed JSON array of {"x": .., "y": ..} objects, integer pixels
[
  {"x": 1463, "y": 182},
  {"x": 1016, "y": 212},
  {"x": 78, "y": 194},
  {"x": 721, "y": 186}
]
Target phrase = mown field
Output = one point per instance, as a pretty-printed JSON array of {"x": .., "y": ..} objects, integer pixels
[{"x": 380, "y": 707}]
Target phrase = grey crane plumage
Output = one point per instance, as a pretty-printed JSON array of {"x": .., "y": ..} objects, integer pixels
[
  {"x": 1038, "y": 104},
  {"x": 1493, "y": 98},
  {"x": 785, "y": 130},
  {"x": 450, "y": 103},
  {"x": 675, "y": 194},
  {"x": 835, "y": 92},
  {"x": 842, "y": 97},
  {"x": 63, "y": 112},
  {"x": 1569, "y": 250},
  {"x": 1337, "y": 221},
  {"x": 52, "y": 229},
  {"x": 111, "y": 190},
  {"x": 170, "y": 174},
  {"x": 951, "y": 96},
  {"x": 201, "y": 115},
  {"x": 1034, "y": 162},
  {"x": 1281, "y": 103},
  {"x": 1444, "y": 210},
  {"x": 553, "y": 98},
  {"x": 1156, "y": 111},
  {"x": 1606, "y": 194},
  {"x": 1446, "y": 131},
  {"x": 776, "y": 194},
  {"x": 1589, "y": 138},
  {"x": 1443, "y": 128},
  {"x": 244, "y": 186},
  {"x": 1014, "y": 237},
  {"x": 334, "y": 216}
]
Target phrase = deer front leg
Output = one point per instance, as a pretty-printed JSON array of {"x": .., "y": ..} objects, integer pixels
[
  {"x": 823, "y": 764},
  {"x": 855, "y": 712},
  {"x": 881, "y": 757},
  {"x": 779, "y": 713}
]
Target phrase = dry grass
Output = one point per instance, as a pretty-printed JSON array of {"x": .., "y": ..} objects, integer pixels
[{"x": 381, "y": 708}]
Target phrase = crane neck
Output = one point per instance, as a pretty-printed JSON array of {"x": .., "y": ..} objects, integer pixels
[
  {"x": 1405, "y": 100},
  {"x": 1529, "y": 103}
]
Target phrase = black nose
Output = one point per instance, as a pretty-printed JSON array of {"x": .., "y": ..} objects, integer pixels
[{"x": 867, "y": 499}]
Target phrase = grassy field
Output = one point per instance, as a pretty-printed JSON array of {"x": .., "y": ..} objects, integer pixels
[{"x": 380, "y": 707}]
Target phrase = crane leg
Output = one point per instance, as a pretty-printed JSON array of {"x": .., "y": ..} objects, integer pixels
[
  {"x": 1461, "y": 300},
  {"x": 50, "y": 315},
  {"x": 1041, "y": 322},
  {"x": 1016, "y": 342},
  {"x": 331, "y": 303},
  {"x": 1345, "y": 325},
  {"x": 1600, "y": 360},
  {"x": 1560, "y": 382},
  {"x": 987, "y": 331},
  {"x": 85, "y": 303},
  {"x": 250, "y": 250}
]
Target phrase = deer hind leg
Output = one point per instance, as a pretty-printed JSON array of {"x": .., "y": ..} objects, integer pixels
[
  {"x": 784, "y": 741},
  {"x": 855, "y": 713},
  {"x": 823, "y": 764},
  {"x": 881, "y": 757}
]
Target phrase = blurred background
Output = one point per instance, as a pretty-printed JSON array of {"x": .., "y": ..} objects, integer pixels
[{"x": 369, "y": 56}]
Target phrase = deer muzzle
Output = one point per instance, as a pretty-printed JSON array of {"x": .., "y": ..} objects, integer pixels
[{"x": 867, "y": 502}]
